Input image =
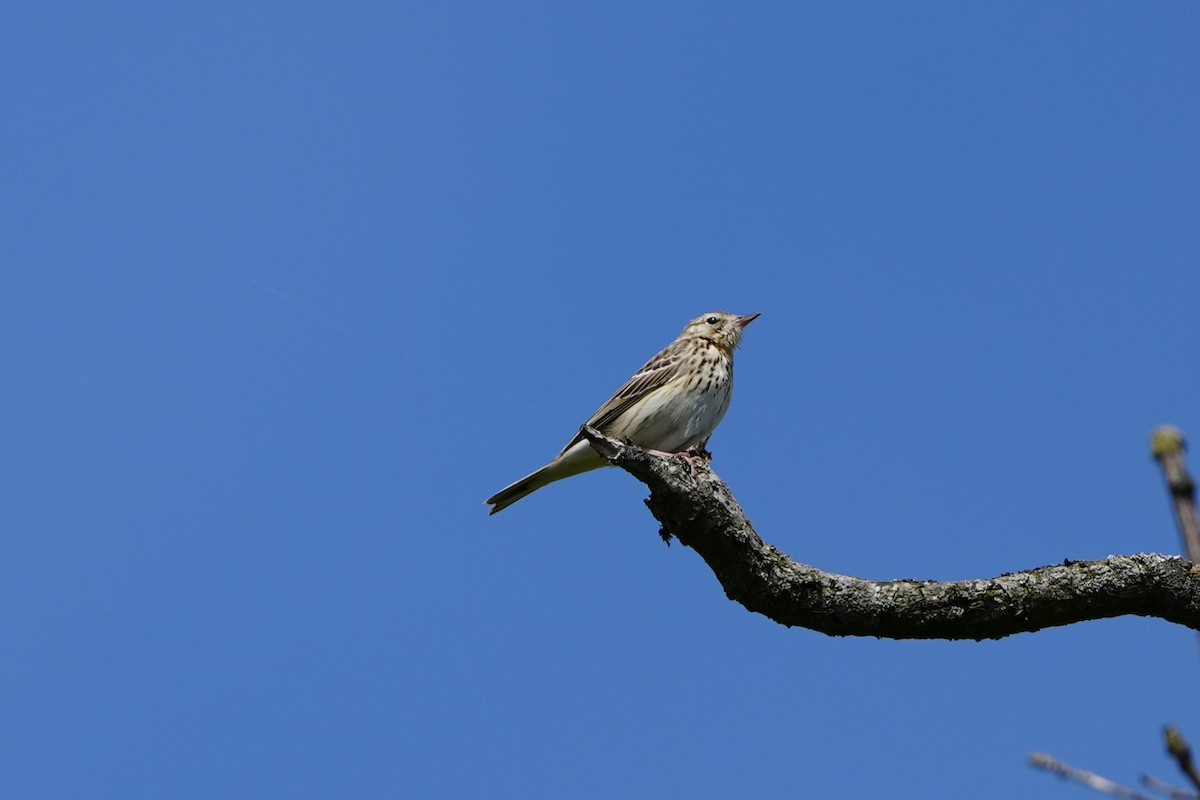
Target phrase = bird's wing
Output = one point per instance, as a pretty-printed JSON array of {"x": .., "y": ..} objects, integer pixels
[{"x": 657, "y": 372}]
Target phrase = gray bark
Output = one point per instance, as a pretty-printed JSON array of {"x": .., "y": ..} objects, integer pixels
[{"x": 693, "y": 505}]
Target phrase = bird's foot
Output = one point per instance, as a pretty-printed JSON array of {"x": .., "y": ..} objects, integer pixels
[{"x": 692, "y": 459}]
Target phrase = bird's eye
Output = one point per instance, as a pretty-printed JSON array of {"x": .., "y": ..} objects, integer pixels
[{"x": 712, "y": 320}]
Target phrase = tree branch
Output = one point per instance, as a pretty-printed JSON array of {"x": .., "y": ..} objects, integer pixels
[
  {"x": 1082, "y": 776},
  {"x": 1179, "y": 749},
  {"x": 1168, "y": 446},
  {"x": 1164, "y": 788},
  {"x": 695, "y": 506}
]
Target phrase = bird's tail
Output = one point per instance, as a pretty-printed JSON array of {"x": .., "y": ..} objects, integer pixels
[
  {"x": 574, "y": 460},
  {"x": 527, "y": 485}
]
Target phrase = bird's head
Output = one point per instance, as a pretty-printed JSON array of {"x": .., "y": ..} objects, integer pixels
[{"x": 724, "y": 329}]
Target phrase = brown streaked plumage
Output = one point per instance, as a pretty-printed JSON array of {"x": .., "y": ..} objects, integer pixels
[{"x": 672, "y": 404}]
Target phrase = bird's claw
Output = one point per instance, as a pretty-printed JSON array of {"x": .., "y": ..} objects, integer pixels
[{"x": 692, "y": 457}]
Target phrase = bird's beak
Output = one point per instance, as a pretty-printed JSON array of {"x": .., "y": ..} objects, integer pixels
[{"x": 746, "y": 320}]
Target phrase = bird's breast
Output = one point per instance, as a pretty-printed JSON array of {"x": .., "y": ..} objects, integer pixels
[{"x": 683, "y": 413}]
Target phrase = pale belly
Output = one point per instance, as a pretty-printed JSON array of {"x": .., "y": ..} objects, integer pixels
[{"x": 675, "y": 421}]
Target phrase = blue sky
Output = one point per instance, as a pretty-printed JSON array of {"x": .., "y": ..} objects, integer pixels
[{"x": 291, "y": 289}]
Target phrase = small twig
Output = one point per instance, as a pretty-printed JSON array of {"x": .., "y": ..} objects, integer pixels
[
  {"x": 1088, "y": 779},
  {"x": 1162, "y": 787},
  {"x": 1179, "y": 749},
  {"x": 1168, "y": 446}
]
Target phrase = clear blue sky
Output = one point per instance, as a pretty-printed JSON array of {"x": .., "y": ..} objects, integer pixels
[{"x": 289, "y": 289}]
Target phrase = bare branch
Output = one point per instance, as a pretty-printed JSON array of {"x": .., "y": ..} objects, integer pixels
[
  {"x": 693, "y": 504},
  {"x": 1162, "y": 787},
  {"x": 1088, "y": 779},
  {"x": 1179, "y": 749},
  {"x": 1168, "y": 446}
]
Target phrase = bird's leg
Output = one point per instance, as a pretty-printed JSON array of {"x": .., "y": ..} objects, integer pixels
[
  {"x": 697, "y": 455},
  {"x": 694, "y": 457}
]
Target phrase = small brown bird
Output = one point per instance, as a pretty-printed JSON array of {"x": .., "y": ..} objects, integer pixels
[{"x": 673, "y": 404}]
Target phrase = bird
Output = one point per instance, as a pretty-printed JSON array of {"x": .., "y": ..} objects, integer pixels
[{"x": 671, "y": 405}]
